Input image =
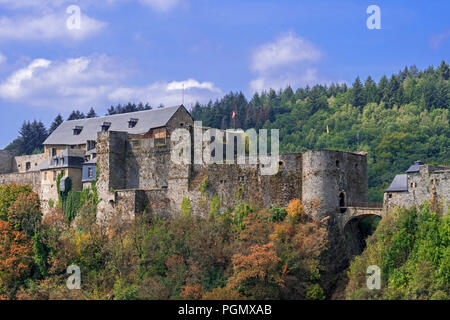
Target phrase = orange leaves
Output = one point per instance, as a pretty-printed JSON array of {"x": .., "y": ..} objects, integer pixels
[
  {"x": 194, "y": 292},
  {"x": 295, "y": 209},
  {"x": 15, "y": 255},
  {"x": 261, "y": 265}
]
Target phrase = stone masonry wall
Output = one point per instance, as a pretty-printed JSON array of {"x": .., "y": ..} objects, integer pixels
[
  {"x": 427, "y": 184},
  {"x": 328, "y": 174},
  {"x": 6, "y": 161},
  {"x": 28, "y": 178},
  {"x": 20, "y": 162}
]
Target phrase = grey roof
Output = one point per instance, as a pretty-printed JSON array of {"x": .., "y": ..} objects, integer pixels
[
  {"x": 147, "y": 120},
  {"x": 73, "y": 158},
  {"x": 399, "y": 184},
  {"x": 415, "y": 167}
]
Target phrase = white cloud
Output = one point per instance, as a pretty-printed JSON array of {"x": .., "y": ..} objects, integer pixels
[
  {"x": 282, "y": 81},
  {"x": 157, "y": 5},
  {"x": 168, "y": 93},
  {"x": 12, "y": 87},
  {"x": 95, "y": 81},
  {"x": 47, "y": 27},
  {"x": 286, "y": 50},
  {"x": 289, "y": 60},
  {"x": 65, "y": 84}
]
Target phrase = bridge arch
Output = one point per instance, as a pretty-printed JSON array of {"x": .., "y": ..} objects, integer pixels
[{"x": 352, "y": 213}]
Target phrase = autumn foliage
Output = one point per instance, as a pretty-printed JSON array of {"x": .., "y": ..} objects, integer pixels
[
  {"x": 245, "y": 253},
  {"x": 15, "y": 258}
]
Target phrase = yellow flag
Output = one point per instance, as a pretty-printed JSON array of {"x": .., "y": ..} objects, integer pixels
[{"x": 328, "y": 130}]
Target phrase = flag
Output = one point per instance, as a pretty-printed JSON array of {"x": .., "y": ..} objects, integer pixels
[
  {"x": 328, "y": 130},
  {"x": 233, "y": 115}
]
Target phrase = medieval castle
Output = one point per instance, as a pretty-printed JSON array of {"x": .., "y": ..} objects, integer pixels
[{"x": 128, "y": 156}]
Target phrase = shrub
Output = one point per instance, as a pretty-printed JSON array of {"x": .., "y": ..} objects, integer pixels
[{"x": 186, "y": 207}]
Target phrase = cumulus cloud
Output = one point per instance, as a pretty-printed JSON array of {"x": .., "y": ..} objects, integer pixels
[
  {"x": 168, "y": 93},
  {"x": 65, "y": 84},
  {"x": 289, "y": 60},
  {"x": 158, "y": 5},
  {"x": 96, "y": 81},
  {"x": 286, "y": 50},
  {"x": 47, "y": 27},
  {"x": 308, "y": 77}
]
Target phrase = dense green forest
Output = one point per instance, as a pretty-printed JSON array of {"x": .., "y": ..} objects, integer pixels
[
  {"x": 412, "y": 249},
  {"x": 396, "y": 121}
]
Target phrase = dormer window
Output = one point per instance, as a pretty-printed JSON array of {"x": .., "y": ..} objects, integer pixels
[
  {"x": 105, "y": 126},
  {"x": 77, "y": 130},
  {"x": 132, "y": 123}
]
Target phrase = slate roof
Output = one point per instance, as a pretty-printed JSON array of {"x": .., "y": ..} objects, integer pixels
[
  {"x": 415, "y": 167},
  {"x": 399, "y": 184},
  {"x": 147, "y": 120}
]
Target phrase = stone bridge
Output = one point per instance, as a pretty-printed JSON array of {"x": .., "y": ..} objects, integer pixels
[{"x": 357, "y": 211}]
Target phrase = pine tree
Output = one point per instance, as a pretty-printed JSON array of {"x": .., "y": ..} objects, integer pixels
[
  {"x": 76, "y": 115},
  {"x": 32, "y": 135},
  {"x": 370, "y": 88},
  {"x": 91, "y": 113},
  {"x": 55, "y": 124},
  {"x": 358, "y": 98},
  {"x": 444, "y": 70}
]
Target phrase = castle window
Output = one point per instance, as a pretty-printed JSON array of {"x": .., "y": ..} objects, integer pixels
[
  {"x": 28, "y": 166},
  {"x": 181, "y": 124},
  {"x": 54, "y": 175},
  {"x": 45, "y": 175},
  {"x": 390, "y": 195},
  {"x": 281, "y": 163},
  {"x": 91, "y": 144},
  {"x": 56, "y": 162},
  {"x": 106, "y": 126},
  {"x": 53, "y": 152},
  {"x": 62, "y": 161},
  {"x": 132, "y": 123},
  {"x": 90, "y": 172},
  {"x": 77, "y": 130},
  {"x": 337, "y": 163},
  {"x": 412, "y": 185}
]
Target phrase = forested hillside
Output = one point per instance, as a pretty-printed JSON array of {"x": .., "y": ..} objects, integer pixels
[{"x": 397, "y": 120}]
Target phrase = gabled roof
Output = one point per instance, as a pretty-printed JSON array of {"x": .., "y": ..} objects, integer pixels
[
  {"x": 399, "y": 184},
  {"x": 415, "y": 167},
  {"x": 148, "y": 119}
]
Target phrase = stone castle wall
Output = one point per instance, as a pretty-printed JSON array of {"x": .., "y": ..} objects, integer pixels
[
  {"x": 27, "y": 178},
  {"x": 33, "y": 160},
  {"x": 6, "y": 161},
  {"x": 429, "y": 184},
  {"x": 329, "y": 175}
]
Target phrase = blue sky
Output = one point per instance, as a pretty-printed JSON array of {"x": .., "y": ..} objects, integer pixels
[{"x": 146, "y": 50}]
